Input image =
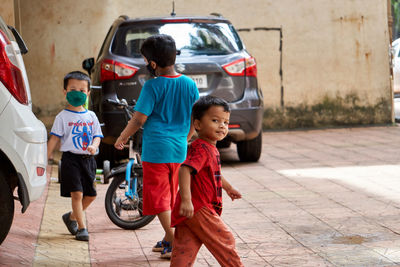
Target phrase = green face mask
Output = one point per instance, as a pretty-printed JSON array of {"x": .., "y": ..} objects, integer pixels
[{"x": 76, "y": 98}]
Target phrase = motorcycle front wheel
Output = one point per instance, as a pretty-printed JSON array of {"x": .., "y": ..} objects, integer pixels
[{"x": 123, "y": 211}]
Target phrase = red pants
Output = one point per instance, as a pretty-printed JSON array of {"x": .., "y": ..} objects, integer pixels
[
  {"x": 160, "y": 186},
  {"x": 208, "y": 229}
]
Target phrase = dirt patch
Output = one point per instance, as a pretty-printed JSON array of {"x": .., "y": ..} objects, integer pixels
[{"x": 350, "y": 240}]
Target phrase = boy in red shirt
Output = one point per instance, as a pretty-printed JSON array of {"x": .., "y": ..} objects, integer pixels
[{"x": 196, "y": 214}]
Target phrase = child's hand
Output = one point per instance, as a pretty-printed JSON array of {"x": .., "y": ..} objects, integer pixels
[
  {"x": 233, "y": 194},
  {"x": 92, "y": 149},
  {"x": 186, "y": 209},
  {"x": 119, "y": 144}
]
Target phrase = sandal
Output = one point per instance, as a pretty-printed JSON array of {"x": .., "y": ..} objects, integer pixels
[
  {"x": 71, "y": 225},
  {"x": 167, "y": 250},
  {"x": 158, "y": 247}
]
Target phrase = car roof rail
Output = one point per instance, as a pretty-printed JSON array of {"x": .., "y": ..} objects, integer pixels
[
  {"x": 124, "y": 17},
  {"x": 216, "y": 15}
]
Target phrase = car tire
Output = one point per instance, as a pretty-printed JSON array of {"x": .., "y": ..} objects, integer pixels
[
  {"x": 224, "y": 143},
  {"x": 250, "y": 150},
  {"x": 106, "y": 152},
  {"x": 106, "y": 171},
  {"x": 6, "y": 208},
  {"x": 59, "y": 171}
]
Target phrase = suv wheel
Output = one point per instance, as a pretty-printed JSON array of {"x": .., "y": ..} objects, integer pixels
[
  {"x": 106, "y": 171},
  {"x": 6, "y": 208},
  {"x": 250, "y": 150},
  {"x": 59, "y": 171},
  {"x": 106, "y": 152},
  {"x": 225, "y": 143}
]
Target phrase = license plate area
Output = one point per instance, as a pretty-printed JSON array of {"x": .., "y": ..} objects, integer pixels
[{"x": 200, "y": 80}]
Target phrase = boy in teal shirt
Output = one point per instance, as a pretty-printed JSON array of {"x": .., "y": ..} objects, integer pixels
[{"x": 164, "y": 110}]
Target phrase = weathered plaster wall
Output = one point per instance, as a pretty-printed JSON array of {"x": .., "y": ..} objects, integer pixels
[
  {"x": 331, "y": 50},
  {"x": 7, "y": 11}
]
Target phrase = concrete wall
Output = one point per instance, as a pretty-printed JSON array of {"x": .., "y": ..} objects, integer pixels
[{"x": 335, "y": 62}]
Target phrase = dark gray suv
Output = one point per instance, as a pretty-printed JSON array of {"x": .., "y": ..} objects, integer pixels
[{"x": 209, "y": 51}]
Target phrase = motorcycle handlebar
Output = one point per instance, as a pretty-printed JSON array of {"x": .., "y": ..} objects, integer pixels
[{"x": 122, "y": 104}]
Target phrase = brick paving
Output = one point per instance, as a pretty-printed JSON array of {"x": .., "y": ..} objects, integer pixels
[{"x": 316, "y": 198}]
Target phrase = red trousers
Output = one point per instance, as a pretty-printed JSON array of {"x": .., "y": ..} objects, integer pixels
[
  {"x": 160, "y": 186},
  {"x": 208, "y": 229}
]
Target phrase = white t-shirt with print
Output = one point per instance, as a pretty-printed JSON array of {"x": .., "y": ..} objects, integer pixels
[{"x": 76, "y": 130}]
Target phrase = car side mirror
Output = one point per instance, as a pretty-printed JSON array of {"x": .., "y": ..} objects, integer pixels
[
  {"x": 88, "y": 64},
  {"x": 19, "y": 40}
]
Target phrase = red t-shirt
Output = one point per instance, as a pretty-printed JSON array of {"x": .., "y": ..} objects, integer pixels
[{"x": 205, "y": 182}]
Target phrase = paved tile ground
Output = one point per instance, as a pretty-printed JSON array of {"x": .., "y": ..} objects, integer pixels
[{"x": 316, "y": 198}]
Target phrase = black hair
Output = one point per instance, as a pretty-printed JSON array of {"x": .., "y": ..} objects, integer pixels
[
  {"x": 160, "y": 48},
  {"x": 204, "y": 103},
  {"x": 77, "y": 75}
]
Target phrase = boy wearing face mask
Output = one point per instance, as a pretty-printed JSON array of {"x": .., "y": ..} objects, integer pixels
[
  {"x": 79, "y": 131},
  {"x": 164, "y": 110}
]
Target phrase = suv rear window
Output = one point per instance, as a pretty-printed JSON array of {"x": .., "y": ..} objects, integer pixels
[{"x": 191, "y": 38}]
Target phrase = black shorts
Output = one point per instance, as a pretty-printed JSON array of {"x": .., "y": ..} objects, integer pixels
[{"x": 78, "y": 173}]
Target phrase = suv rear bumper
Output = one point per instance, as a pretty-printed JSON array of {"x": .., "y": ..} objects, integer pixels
[
  {"x": 23, "y": 141},
  {"x": 250, "y": 121},
  {"x": 246, "y": 116}
]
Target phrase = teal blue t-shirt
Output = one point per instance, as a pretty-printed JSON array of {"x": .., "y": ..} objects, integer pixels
[{"x": 167, "y": 101}]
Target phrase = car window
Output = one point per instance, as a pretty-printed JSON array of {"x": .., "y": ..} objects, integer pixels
[{"x": 190, "y": 38}]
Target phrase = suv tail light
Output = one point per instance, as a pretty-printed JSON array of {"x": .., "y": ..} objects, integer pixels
[
  {"x": 242, "y": 67},
  {"x": 10, "y": 75},
  {"x": 114, "y": 70}
]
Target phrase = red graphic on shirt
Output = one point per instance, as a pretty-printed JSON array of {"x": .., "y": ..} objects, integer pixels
[{"x": 81, "y": 134}]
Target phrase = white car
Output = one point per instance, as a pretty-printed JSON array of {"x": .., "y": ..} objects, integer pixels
[
  {"x": 396, "y": 66},
  {"x": 396, "y": 78},
  {"x": 23, "y": 138}
]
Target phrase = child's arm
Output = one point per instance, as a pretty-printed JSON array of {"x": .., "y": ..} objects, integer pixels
[
  {"x": 134, "y": 124},
  {"x": 232, "y": 192},
  {"x": 191, "y": 131},
  {"x": 51, "y": 144},
  {"x": 186, "y": 209},
  {"x": 95, "y": 144}
]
